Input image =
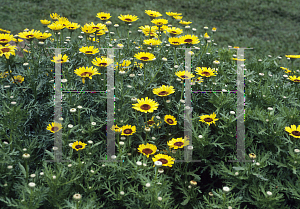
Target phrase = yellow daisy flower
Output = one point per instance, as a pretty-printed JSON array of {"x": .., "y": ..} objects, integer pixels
[
  {"x": 175, "y": 41},
  {"x": 5, "y": 38},
  {"x": 99, "y": 26},
  {"x": 54, "y": 127},
  {"x": 128, "y": 18},
  {"x": 205, "y": 72},
  {"x": 78, "y": 145},
  {"x": 5, "y": 31},
  {"x": 54, "y": 16},
  {"x": 88, "y": 29},
  {"x": 18, "y": 79},
  {"x": 160, "y": 22},
  {"x": 87, "y": 72},
  {"x": 173, "y": 31},
  {"x": 236, "y": 59},
  {"x": 199, "y": 80},
  {"x": 209, "y": 119},
  {"x": 7, "y": 50},
  {"x": 185, "y": 22},
  {"x": 184, "y": 74},
  {"x": 102, "y": 62},
  {"x": 151, "y": 122},
  {"x": 153, "y": 14},
  {"x": 177, "y": 143},
  {"x": 165, "y": 159},
  {"x": 144, "y": 56},
  {"x": 45, "y": 22},
  {"x": 293, "y": 56},
  {"x": 164, "y": 91},
  {"x": 103, "y": 16},
  {"x": 116, "y": 128},
  {"x": 146, "y": 29},
  {"x": 252, "y": 155},
  {"x": 152, "y": 42},
  {"x": 72, "y": 26},
  {"x": 294, "y": 78},
  {"x": 293, "y": 130},
  {"x": 190, "y": 39},
  {"x": 89, "y": 50},
  {"x": 64, "y": 21},
  {"x": 214, "y": 29},
  {"x": 5, "y": 74},
  {"x": 148, "y": 149},
  {"x": 56, "y": 26},
  {"x": 145, "y": 105},
  {"x": 171, "y": 120},
  {"x": 60, "y": 59},
  {"x": 177, "y": 17},
  {"x": 206, "y": 36},
  {"x": 128, "y": 130},
  {"x": 28, "y": 35},
  {"x": 171, "y": 14}
]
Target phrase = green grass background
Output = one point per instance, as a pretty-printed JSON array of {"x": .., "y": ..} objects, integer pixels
[{"x": 268, "y": 26}]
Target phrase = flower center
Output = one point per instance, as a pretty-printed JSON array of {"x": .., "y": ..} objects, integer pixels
[
  {"x": 150, "y": 122},
  {"x": 89, "y": 74},
  {"x": 297, "y": 80},
  {"x": 178, "y": 144},
  {"x": 103, "y": 64},
  {"x": 127, "y": 19},
  {"x": 127, "y": 131},
  {"x": 205, "y": 73},
  {"x": 170, "y": 121},
  {"x": 296, "y": 133},
  {"x": 163, "y": 93},
  {"x": 188, "y": 40},
  {"x": 5, "y": 50},
  {"x": 164, "y": 161},
  {"x": 103, "y": 17},
  {"x": 90, "y": 52},
  {"x": 183, "y": 76},
  {"x": 147, "y": 151},
  {"x": 54, "y": 128},
  {"x": 145, "y": 58},
  {"x": 30, "y": 36},
  {"x": 78, "y": 146},
  {"x": 3, "y": 40},
  {"x": 176, "y": 42},
  {"x": 145, "y": 107},
  {"x": 208, "y": 119}
]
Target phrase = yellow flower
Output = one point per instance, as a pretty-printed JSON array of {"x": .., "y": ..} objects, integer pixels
[
  {"x": 28, "y": 35},
  {"x": 45, "y": 22},
  {"x": 128, "y": 130},
  {"x": 60, "y": 59},
  {"x": 7, "y": 50},
  {"x": 160, "y": 22},
  {"x": 190, "y": 39},
  {"x": 78, "y": 145},
  {"x": 173, "y": 14},
  {"x": 151, "y": 122},
  {"x": 5, "y": 31},
  {"x": 116, "y": 128},
  {"x": 99, "y": 26},
  {"x": 173, "y": 31},
  {"x": 102, "y": 62},
  {"x": 238, "y": 59},
  {"x": 185, "y": 22},
  {"x": 72, "y": 26},
  {"x": 205, "y": 72},
  {"x": 293, "y": 130},
  {"x": 145, "y": 105},
  {"x": 128, "y": 18},
  {"x": 293, "y": 56},
  {"x": 184, "y": 74},
  {"x": 103, "y": 16},
  {"x": 164, "y": 91},
  {"x": 87, "y": 72},
  {"x": 294, "y": 78},
  {"x": 18, "y": 79},
  {"x": 54, "y": 16},
  {"x": 88, "y": 29},
  {"x": 64, "y": 21},
  {"x": 144, "y": 56},
  {"x": 89, "y": 50},
  {"x": 214, "y": 29},
  {"x": 252, "y": 155},
  {"x": 171, "y": 120},
  {"x": 206, "y": 36},
  {"x": 177, "y": 143},
  {"x": 56, "y": 26},
  {"x": 148, "y": 149},
  {"x": 177, "y": 17},
  {"x": 152, "y": 42},
  {"x": 153, "y": 14},
  {"x": 209, "y": 119},
  {"x": 42, "y": 36},
  {"x": 175, "y": 41},
  {"x": 5, "y": 38},
  {"x": 165, "y": 159},
  {"x": 54, "y": 127}
]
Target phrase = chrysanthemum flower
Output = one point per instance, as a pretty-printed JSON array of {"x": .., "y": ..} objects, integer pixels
[
  {"x": 148, "y": 149},
  {"x": 128, "y": 18},
  {"x": 42, "y": 36},
  {"x": 116, "y": 128},
  {"x": 164, "y": 91},
  {"x": 185, "y": 22},
  {"x": 78, "y": 145},
  {"x": 7, "y": 50},
  {"x": 175, "y": 41},
  {"x": 45, "y": 22},
  {"x": 102, "y": 62},
  {"x": 5, "y": 38},
  {"x": 144, "y": 56},
  {"x": 184, "y": 74},
  {"x": 5, "y": 31},
  {"x": 177, "y": 143},
  {"x": 18, "y": 79},
  {"x": 54, "y": 127},
  {"x": 89, "y": 50},
  {"x": 60, "y": 59},
  {"x": 171, "y": 120},
  {"x": 252, "y": 155},
  {"x": 214, "y": 29},
  {"x": 54, "y": 16},
  {"x": 293, "y": 56},
  {"x": 294, "y": 78},
  {"x": 177, "y": 17},
  {"x": 293, "y": 130},
  {"x": 56, "y": 26},
  {"x": 152, "y": 42},
  {"x": 87, "y": 72},
  {"x": 99, "y": 26},
  {"x": 160, "y": 22},
  {"x": 88, "y": 29},
  {"x": 28, "y": 35},
  {"x": 146, "y": 29},
  {"x": 5, "y": 74},
  {"x": 139, "y": 65},
  {"x": 64, "y": 21},
  {"x": 153, "y": 14},
  {"x": 103, "y": 16},
  {"x": 72, "y": 26},
  {"x": 145, "y": 105},
  {"x": 199, "y": 80},
  {"x": 190, "y": 39},
  {"x": 165, "y": 159},
  {"x": 205, "y": 72},
  {"x": 171, "y": 14},
  {"x": 236, "y": 59},
  {"x": 151, "y": 122},
  {"x": 209, "y": 119},
  {"x": 173, "y": 31},
  {"x": 124, "y": 64},
  {"x": 128, "y": 130}
]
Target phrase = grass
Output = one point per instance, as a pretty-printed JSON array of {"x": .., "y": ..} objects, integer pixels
[{"x": 267, "y": 26}]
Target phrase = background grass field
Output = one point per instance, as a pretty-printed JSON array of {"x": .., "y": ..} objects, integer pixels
[{"x": 271, "y": 27}]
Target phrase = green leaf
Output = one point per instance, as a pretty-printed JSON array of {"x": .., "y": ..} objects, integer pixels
[
  {"x": 50, "y": 153},
  {"x": 238, "y": 168},
  {"x": 22, "y": 169}
]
